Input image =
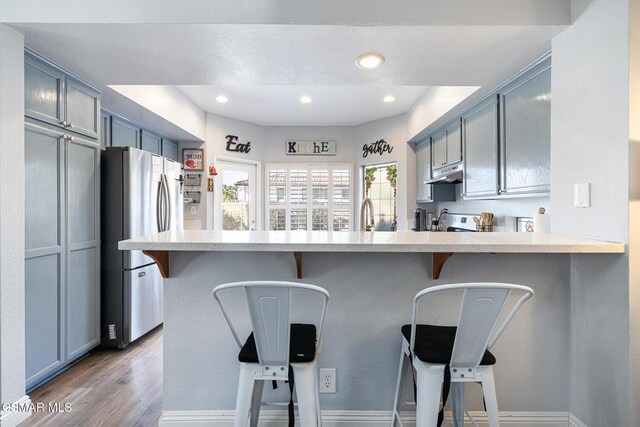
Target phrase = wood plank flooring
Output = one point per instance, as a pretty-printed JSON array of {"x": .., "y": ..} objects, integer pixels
[{"x": 107, "y": 388}]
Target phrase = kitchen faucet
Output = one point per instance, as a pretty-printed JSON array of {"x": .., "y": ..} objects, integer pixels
[{"x": 366, "y": 203}]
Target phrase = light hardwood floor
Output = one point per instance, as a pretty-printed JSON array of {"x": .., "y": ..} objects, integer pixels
[{"x": 107, "y": 388}]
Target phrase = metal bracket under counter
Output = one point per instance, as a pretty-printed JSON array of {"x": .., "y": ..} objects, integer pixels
[{"x": 162, "y": 261}]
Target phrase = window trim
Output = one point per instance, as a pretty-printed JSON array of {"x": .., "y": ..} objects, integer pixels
[{"x": 309, "y": 167}]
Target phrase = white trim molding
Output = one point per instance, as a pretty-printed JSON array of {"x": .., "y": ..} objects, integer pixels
[
  {"x": 20, "y": 410},
  {"x": 273, "y": 418},
  {"x": 575, "y": 422}
]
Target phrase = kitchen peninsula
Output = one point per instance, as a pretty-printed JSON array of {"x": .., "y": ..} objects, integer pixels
[{"x": 372, "y": 279}]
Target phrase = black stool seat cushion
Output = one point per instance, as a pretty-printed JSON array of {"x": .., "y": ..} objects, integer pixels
[
  {"x": 302, "y": 345},
  {"x": 434, "y": 344}
]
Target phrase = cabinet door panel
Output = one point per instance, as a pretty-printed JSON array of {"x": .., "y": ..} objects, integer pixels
[
  {"x": 454, "y": 143},
  {"x": 170, "y": 149},
  {"x": 82, "y": 191},
  {"x": 105, "y": 130},
  {"x": 423, "y": 155},
  {"x": 42, "y": 316},
  {"x": 151, "y": 142},
  {"x": 43, "y": 91},
  {"x": 43, "y": 166},
  {"x": 124, "y": 134},
  {"x": 439, "y": 150},
  {"x": 481, "y": 162},
  {"x": 82, "y": 108},
  {"x": 526, "y": 125},
  {"x": 82, "y": 311}
]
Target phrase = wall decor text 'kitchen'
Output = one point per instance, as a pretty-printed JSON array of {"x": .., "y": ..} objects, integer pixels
[
  {"x": 379, "y": 147},
  {"x": 311, "y": 148},
  {"x": 236, "y": 147}
]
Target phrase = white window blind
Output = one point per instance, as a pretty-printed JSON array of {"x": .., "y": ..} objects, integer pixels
[{"x": 311, "y": 197}]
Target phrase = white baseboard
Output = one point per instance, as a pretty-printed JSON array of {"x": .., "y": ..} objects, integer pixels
[
  {"x": 575, "y": 422},
  {"x": 21, "y": 410},
  {"x": 359, "y": 419}
]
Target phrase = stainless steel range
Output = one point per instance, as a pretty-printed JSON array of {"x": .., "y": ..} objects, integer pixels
[{"x": 457, "y": 222}]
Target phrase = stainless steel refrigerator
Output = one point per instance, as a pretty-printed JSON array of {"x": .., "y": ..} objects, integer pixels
[{"x": 141, "y": 194}]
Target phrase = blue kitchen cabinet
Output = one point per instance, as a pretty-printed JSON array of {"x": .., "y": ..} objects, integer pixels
[
  {"x": 63, "y": 137},
  {"x": 525, "y": 132},
  {"x": 105, "y": 129},
  {"x": 151, "y": 142},
  {"x": 124, "y": 133},
  {"x": 480, "y": 147},
  {"x": 54, "y": 96},
  {"x": 170, "y": 149}
]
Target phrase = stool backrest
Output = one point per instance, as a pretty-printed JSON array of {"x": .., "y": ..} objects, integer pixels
[
  {"x": 269, "y": 304},
  {"x": 481, "y": 308}
]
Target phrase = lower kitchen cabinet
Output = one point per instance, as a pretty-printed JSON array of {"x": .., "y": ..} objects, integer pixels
[{"x": 62, "y": 243}]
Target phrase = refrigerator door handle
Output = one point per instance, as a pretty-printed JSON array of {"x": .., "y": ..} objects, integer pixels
[
  {"x": 158, "y": 207},
  {"x": 167, "y": 202}
]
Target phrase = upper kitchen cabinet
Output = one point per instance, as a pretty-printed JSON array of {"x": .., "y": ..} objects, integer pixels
[
  {"x": 82, "y": 108},
  {"x": 428, "y": 193},
  {"x": 439, "y": 150},
  {"x": 424, "y": 191},
  {"x": 525, "y": 137},
  {"x": 170, "y": 149},
  {"x": 43, "y": 91},
  {"x": 151, "y": 142},
  {"x": 480, "y": 146},
  {"x": 124, "y": 133},
  {"x": 447, "y": 146},
  {"x": 105, "y": 130},
  {"x": 55, "y": 97}
]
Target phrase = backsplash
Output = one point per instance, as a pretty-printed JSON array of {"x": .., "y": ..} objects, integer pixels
[{"x": 522, "y": 207}]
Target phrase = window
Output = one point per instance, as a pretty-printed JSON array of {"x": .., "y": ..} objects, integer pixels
[
  {"x": 380, "y": 186},
  {"x": 314, "y": 197}
]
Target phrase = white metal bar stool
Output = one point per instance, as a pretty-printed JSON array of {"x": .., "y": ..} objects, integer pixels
[
  {"x": 275, "y": 346},
  {"x": 459, "y": 353}
]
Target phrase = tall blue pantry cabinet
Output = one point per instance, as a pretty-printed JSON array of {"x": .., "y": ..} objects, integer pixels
[{"x": 62, "y": 248}]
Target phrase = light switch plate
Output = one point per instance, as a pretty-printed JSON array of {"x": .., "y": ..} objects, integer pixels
[{"x": 582, "y": 195}]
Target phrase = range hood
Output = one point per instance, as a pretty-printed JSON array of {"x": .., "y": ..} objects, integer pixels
[{"x": 447, "y": 175}]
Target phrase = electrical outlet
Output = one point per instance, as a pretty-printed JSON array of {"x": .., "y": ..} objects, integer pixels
[
  {"x": 194, "y": 210},
  {"x": 327, "y": 380}
]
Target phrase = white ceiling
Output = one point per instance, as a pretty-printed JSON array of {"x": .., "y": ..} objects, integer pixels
[
  {"x": 281, "y": 106},
  {"x": 264, "y": 69}
]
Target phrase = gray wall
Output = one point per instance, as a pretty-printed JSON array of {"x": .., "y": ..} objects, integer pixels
[
  {"x": 371, "y": 296},
  {"x": 12, "y": 369},
  {"x": 634, "y": 210},
  {"x": 589, "y": 143}
]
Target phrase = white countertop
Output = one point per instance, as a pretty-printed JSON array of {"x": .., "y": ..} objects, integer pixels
[{"x": 401, "y": 241}]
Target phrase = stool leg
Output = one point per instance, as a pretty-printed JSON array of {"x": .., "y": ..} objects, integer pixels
[
  {"x": 429, "y": 381},
  {"x": 395, "y": 414},
  {"x": 256, "y": 400},
  {"x": 306, "y": 382},
  {"x": 245, "y": 393},
  {"x": 457, "y": 403},
  {"x": 490, "y": 398}
]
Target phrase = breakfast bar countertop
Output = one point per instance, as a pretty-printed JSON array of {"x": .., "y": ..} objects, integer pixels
[{"x": 401, "y": 241}]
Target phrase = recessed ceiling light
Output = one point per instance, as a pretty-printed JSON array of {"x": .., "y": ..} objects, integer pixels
[
  {"x": 306, "y": 99},
  {"x": 389, "y": 98},
  {"x": 370, "y": 60},
  {"x": 222, "y": 99}
]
